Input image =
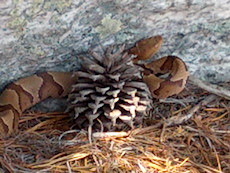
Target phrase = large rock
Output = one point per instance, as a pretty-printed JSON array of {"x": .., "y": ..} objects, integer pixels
[{"x": 40, "y": 35}]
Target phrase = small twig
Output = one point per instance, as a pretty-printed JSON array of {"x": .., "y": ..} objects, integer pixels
[
  {"x": 215, "y": 89},
  {"x": 68, "y": 166},
  {"x": 90, "y": 133},
  {"x": 109, "y": 134},
  {"x": 176, "y": 120},
  {"x": 162, "y": 132},
  {"x": 172, "y": 100},
  {"x": 4, "y": 166},
  {"x": 182, "y": 102}
]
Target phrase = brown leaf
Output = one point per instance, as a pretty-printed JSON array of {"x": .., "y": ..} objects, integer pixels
[{"x": 146, "y": 48}]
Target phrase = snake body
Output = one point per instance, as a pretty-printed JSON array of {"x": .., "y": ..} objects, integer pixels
[
  {"x": 174, "y": 72},
  {"x": 26, "y": 92}
]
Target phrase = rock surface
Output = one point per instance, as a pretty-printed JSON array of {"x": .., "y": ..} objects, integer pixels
[{"x": 41, "y": 35}]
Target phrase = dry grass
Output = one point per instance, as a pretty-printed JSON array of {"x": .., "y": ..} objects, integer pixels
[{"x": 201, "y": 144}]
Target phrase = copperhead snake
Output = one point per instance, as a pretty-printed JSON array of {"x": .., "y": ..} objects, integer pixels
[{"x": 26, "y": 92}]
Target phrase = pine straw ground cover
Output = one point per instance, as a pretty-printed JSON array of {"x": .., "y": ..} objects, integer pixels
[{"x": 186, "y": 135}]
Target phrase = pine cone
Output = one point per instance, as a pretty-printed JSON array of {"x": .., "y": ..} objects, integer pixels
[{"x": 109, "y": 92}]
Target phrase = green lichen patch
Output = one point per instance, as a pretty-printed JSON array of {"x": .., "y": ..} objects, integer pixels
[
  {"x": 59, "y": 5},
  {"x": 17, "y": 22},
  {"x": 108, "y": 26}
]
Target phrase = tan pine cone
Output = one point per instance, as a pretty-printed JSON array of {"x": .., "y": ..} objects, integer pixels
[{"x": 109, "y": 93}]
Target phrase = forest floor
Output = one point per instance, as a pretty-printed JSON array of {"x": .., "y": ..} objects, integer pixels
[{"x": 186, "y": 133}]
